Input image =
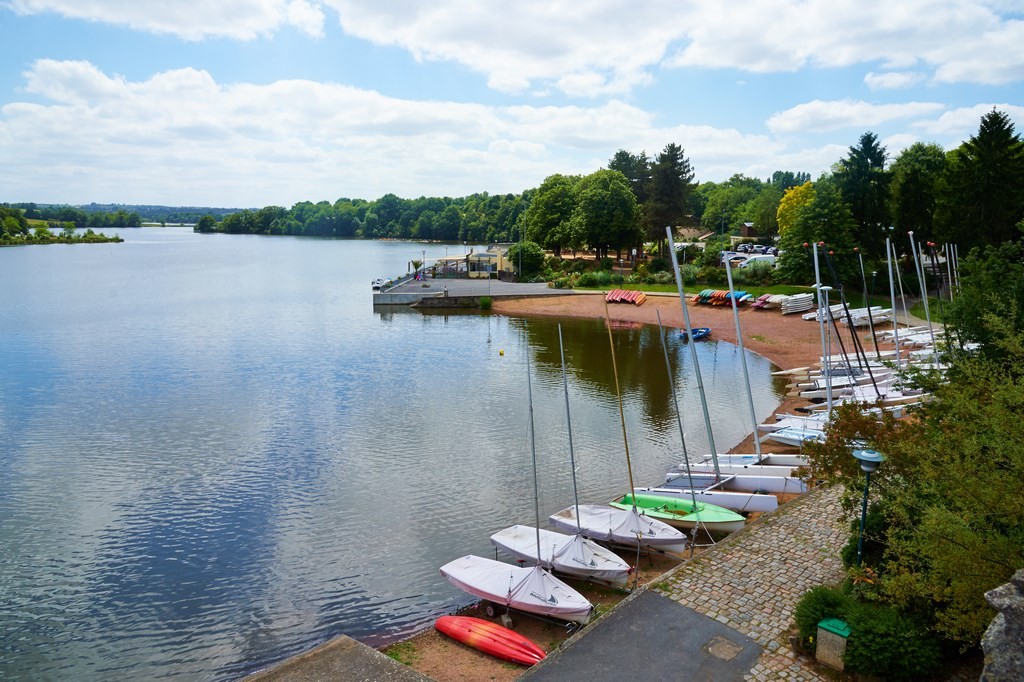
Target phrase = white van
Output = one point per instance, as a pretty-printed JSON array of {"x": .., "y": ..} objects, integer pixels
[{"x": 759, "y": 258}]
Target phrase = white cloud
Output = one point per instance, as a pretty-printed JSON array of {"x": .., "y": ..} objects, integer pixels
[
  {"x": 611, "y": 47},
  {"x": 819, "y": 116},
  {"x": 959, "y": 124},
  {"x": 188, "y": 19},
  {"x": 892, "y": 80},
  {"x": 100, "y": 137}
]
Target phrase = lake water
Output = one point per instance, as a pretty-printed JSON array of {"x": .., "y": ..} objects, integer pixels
[{"x": 215, "y": 454}]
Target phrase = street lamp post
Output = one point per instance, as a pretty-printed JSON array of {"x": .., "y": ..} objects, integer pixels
[
  {"x": 424, "y": 265},
  {"x": 869, "y": 462}
]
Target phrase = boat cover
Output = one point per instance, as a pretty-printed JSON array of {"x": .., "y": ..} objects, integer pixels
[
  {"x": 533, "y": 589},
  {"x": 680, "y": 512},
  {"x": 621, "y": 526},
  {"x": 569, "y": 554}
]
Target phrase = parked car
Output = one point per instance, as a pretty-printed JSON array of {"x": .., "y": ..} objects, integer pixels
[
  {"x": 743, "y": 248},
  {"x": 757, "y": 248},
  {"x": 760, "y": 258}
]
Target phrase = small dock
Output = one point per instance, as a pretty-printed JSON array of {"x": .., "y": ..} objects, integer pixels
[{"x": 458, "y": 293}]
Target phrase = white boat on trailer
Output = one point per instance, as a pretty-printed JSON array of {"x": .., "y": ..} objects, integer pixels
[
  {"x": 529, "y": 589},
  {"x": 625, "y": 527},
  {"x": 714, "y": 491},
  {"x": 570, "y": 555}
]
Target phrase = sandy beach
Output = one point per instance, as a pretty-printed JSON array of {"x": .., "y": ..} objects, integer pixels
[{"x": 787, "y": 340}]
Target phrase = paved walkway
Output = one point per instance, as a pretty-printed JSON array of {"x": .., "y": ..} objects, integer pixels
[
  {"x": 752, "y": 581},
  {"x": 724, "y": 615}
]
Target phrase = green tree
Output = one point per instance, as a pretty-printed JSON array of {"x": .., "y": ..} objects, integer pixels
[
  {"x": 528, "y": 258},
  {"x": 606, "y": 212},
  {"x": 448, "y": 224},
  {"x": 636, "y": 169},
  {"x": 913, "y": 194},
  {"x": 670, "y": 186},
  {"x": 949, "y": 494},
  {"x": 548, "y": 220},
  {"x": 828, "y": 219},
  {"x": 864, "y": 183},
  {"x": 986, "y": 185},
  {"x": 206, "y": 224}
]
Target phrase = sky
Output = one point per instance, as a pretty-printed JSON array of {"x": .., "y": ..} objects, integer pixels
[{"x": 250, "y": 103}]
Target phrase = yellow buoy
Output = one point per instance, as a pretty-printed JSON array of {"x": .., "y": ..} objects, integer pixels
[{"x": 501, "y": 352}]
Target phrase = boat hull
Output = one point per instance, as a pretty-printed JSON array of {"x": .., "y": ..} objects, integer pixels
[
  {"x": 532, "y": 590},
  {"x": 491, "y": 638}
]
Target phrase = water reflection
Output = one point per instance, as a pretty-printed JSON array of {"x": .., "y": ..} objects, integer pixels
[{"x": 236, "y": 458}]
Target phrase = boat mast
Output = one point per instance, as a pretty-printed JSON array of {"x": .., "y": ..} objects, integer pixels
[
  {"x": 568, "y": 422},
  {"x": 693, "y": 353},
  {"x": 919, "y": 269},
  {"x": 679, "y": 420},
  {"x": 533, "y": 450},
  {"x": 890, "y": 256},
  {"x": 622, "y": 414},
  {"x": 743, "y": 360},
  {"x": 822, "y": 312}
]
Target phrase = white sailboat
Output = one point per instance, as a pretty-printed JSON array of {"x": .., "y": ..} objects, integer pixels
[
  {"x": 626, "y": 527},
  {"x": 572, "y": 554},
  {"x": 530, "y": 589}
]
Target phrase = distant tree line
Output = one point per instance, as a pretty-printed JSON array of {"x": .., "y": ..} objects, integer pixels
[
  {"x": 972, "y": 196},
  {"x": 58, "y": 215},
  {"x": 135, "y": 215},
  {"x": 16, "y": 230}
]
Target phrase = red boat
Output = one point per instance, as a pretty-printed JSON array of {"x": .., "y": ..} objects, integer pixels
[{"x": 491, "y": 638}]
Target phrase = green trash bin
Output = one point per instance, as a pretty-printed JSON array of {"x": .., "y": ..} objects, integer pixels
[{"x": 831, "y": 642}]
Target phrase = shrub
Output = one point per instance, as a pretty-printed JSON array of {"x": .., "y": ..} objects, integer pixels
[
  {"x": 485, "y": 303},
  {"x": 890, "y": 644},
  {"x": 711, "y": 275},
  {"x": 641, "y": 271},
  {"x": 579, "y": 266},
  {"x": 553, "y": 263},
  {"x": 659, "y": 264},
  {"x": 689, "y": 273},
  {"x": 662, "y": 278},
  {"x": 588, "y": 279},
  {"x": 820, "y": 603},
  {"x": 606, "y": 264}
]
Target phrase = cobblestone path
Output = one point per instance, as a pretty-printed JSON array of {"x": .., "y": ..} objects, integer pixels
[{"x": 752, "y": 581}]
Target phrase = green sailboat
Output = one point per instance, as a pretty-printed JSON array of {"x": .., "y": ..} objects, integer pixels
[{"x": 683, "y": 513}]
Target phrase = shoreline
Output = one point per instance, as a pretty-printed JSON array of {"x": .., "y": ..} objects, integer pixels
[{"x": 786, "y": 341}]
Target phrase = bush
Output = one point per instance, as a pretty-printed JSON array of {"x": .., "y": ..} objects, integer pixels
[
  {"x": 579, "y": 266},
  {"x": 553, "y": 263},
  {"x": 588, "y": 279},
  {"x": 641, "y": 271},
  {"x": 820, "y": 603},
  {"x": 606, "y": 264},
  {"x": 889, "y": 644},
  {"x": 485, "y": 303},
  {"x": 662, "y": 278},
  {"x": 689, "y": 273},
  {"x": 711, "y": 275},
  {"x": 658, "y": 264}
]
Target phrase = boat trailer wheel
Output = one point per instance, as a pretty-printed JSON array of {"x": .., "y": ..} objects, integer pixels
[{"x": 490, "y": 609}]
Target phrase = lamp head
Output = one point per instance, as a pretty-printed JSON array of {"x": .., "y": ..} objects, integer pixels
[{"x": 869, "y": 459}]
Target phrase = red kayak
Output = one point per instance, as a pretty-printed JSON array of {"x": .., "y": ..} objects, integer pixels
[{"x": 491, "y": 638}]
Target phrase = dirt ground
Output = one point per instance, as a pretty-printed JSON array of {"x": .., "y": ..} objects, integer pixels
[{"x": 788, "y": 341}]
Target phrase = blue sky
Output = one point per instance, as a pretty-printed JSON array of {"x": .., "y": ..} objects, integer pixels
[{"x": 248, "y": 103}]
